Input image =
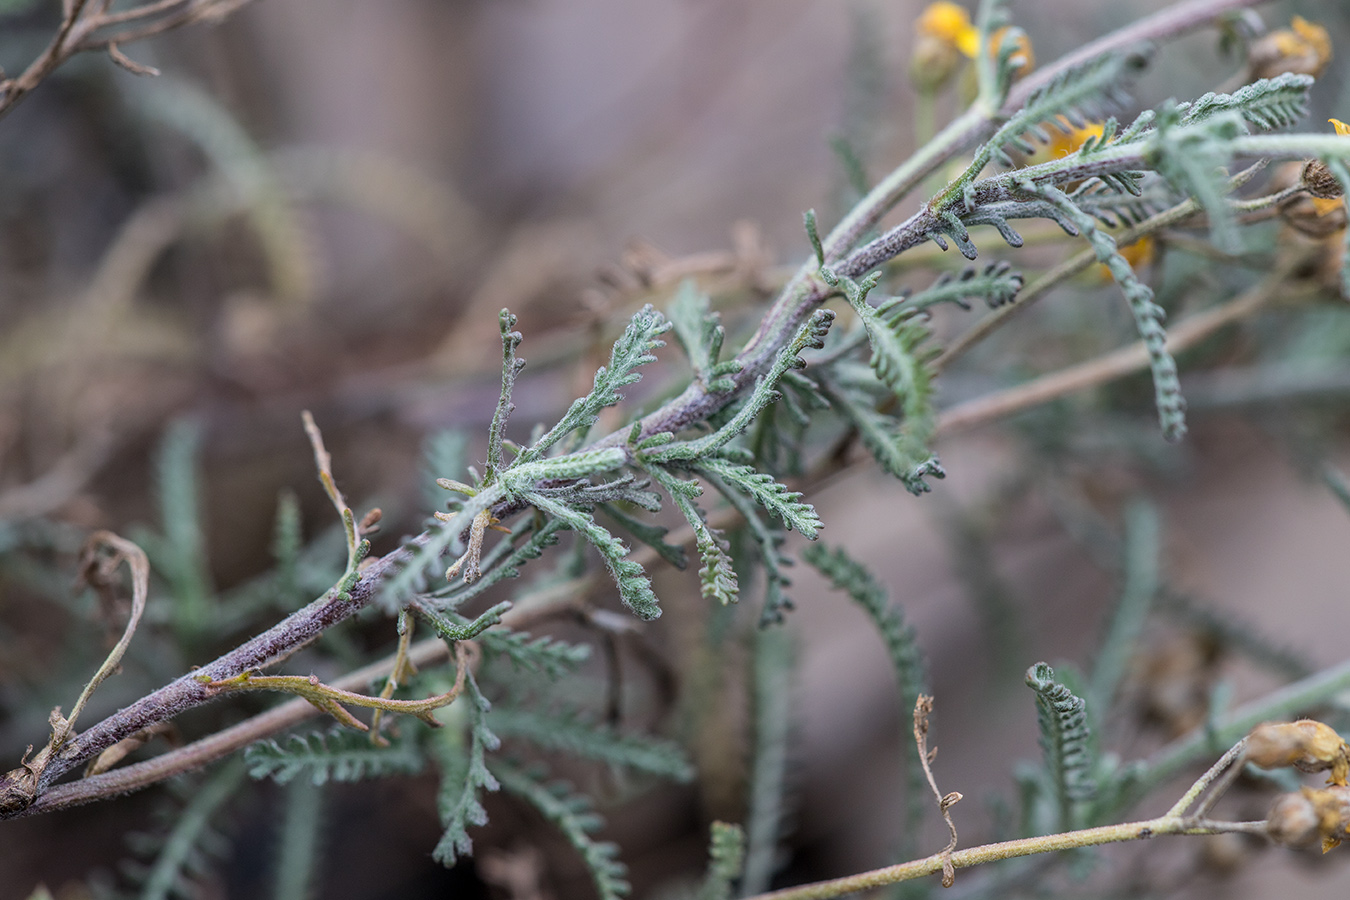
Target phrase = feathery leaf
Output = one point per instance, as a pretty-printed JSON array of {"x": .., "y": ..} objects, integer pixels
[
  {"x": 572, "y": 814},
  {"x": 633, "y": 349},
  {"x": 336, "y": 755},
  {"x": 464, "y": 772},
  {"x": 1066, "y": 743},
  {"x": 635, "y": 589},
  {"x": 572, "y": 732}
]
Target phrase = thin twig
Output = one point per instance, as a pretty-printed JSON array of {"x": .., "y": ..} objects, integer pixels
[
  {"x": 1230, "y": 765},
  {"x": 85, "y": 26},
  {"x": 922, "y": 707},
  {"x": 222, "y": 743},
  {"x": 93, "y": 566},
  {"x": 334, "y": 700},
  {"x": 974, "y": 856}
]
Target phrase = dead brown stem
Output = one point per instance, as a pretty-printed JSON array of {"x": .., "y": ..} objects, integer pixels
[{"x": 922, "y": 707}]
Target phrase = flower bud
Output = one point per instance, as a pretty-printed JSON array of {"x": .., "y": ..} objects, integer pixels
[
  {"x": 1292, "y": 821},
  {"x": 1295, "y": 820},
  {"x": 943, "y": 34},
  {"x": 933, "y": 62},
  {"x": 1306, "y": 745}
]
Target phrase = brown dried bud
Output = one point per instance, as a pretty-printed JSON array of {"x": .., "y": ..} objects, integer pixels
[
  {"x": 1295, "y": 820},
  {"x": 1292, "y": 821},
  {"x": 1306, "y": 745},
  {"x": 1319, "y": 181}
]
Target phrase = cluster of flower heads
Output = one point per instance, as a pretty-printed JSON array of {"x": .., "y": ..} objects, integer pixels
[{"x": 1298, "y": 819}]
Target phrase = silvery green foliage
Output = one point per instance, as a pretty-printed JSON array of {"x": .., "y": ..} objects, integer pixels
[
  {"x": 464, "y": 775},
  {"x": 907, "y": 663},
  {"x": 663, "y": 449},
  {"x": 545, "y": 655},
  {"x": 1077, "y": 95},
  {"x": 572, "y": 814},
  {"x": 1148, "y": 316},
  {"x": 576, "y": 733},
  {"x": 726, "y": 857},
  {"x": 996, "y": 284},
  {"x": 1264, "y": 105},
  {"x": 775, "y": 656},
  {"x": 631, "y": 351},
  {"x": 524, "y": 478},
  {"x": 761, "y": 487},
  {"x": 717, "y": 575},
  {"x": 635, "y": 588},
  {"x": 1066, "y": 745},
  {"x": 900, "y": 362},
  {"x": 335, "y": 755},
  {"x": 700, "y": 333}
]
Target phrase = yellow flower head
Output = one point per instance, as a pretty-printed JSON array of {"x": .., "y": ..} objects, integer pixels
[
  {"x": 947, "y": 22},
  {"x": 1341, "y": 128},
  {"x": 944, "y": 33},
  {"x": 1304, "y": 47}
]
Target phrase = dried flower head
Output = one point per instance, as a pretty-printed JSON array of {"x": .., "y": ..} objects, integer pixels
[
  {"x": 1295, "y": 820},
  {"x": 1319, "y": 181},
  {"x": 1306, "y": 745},
  {"x": 1326, "y": 191},
  {"x": 1304, "y": 48}
]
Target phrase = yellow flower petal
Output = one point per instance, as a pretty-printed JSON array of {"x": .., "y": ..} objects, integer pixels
[
  {"x": 1325, "y": 206},
  {"x": 968, "y": 41},
  {"x": 1341, "y": 128},
  {"x": 944, "y": 20}
]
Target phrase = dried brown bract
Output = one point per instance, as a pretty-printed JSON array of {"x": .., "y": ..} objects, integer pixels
[
  {"x": 1297, "y": 819},
  {"x": 1306, "y": 745}
]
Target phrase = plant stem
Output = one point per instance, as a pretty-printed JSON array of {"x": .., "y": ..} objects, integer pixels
[
  {"x": 963, "y": 859},
  {"x": 222, "y": 743}
]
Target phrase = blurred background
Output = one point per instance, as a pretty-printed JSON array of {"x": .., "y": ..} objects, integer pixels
[{"x": 323, "y": 205}]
